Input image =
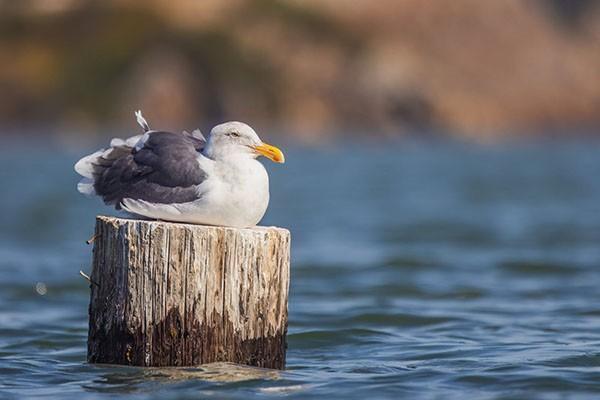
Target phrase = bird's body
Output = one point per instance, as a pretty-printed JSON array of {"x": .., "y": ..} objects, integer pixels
[
  {"x": 182, "y": 177},
  {"x": 235, "y": 193}
]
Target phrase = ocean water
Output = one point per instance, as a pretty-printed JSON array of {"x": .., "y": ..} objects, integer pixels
[{"x": 422, "y": 270}]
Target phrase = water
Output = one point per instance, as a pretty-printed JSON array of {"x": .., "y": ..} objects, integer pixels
[{"x": 420, "y": 270}]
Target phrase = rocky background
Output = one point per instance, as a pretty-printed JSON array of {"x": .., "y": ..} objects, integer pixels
[{"x": 311, "y": 68}]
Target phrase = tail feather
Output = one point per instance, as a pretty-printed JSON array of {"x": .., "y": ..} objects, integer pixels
[
  {"x": 85, "y": 166},
  {"x": 86, "y": 187},
  {"x": 93, "y": 165}
]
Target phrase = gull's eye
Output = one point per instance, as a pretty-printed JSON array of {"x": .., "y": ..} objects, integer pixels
[{"x": 233, "y": 134}]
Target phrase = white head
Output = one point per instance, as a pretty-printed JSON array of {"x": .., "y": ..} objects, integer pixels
[{"x": 236, "y": 138}]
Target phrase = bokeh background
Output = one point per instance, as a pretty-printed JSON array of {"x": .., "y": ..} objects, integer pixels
[
  {"x": 441, "y": 184},
  {"x": 311, "y": 68}
]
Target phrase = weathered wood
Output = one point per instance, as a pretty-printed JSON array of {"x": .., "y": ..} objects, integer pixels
[{"x": 180, "y": 295}]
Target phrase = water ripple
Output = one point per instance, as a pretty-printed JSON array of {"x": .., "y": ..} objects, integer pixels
[{"x": 419, "y": 271}]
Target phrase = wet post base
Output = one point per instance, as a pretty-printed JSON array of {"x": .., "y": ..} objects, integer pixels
[{"x": 170, "y": 294}]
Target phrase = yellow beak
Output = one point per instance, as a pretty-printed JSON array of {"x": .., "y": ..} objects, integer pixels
[{"x": 271, "y": 152}]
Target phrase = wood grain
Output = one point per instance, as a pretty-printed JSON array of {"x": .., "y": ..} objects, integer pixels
[{"x": 181, "y": 295}]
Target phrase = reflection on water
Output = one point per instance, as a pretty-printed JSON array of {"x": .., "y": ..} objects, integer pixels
[
  {"x": 215, "y": 372},
  {"x": 419, "y": 270}
]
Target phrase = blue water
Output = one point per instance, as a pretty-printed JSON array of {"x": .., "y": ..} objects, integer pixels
[{"x": 432, "y": 270}]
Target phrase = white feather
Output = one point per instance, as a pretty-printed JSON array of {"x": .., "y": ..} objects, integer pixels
[
  {"x": 86, "y": 186},
  {"x": 84, "y": 167},
  {"x": 129, "y": 142},
  {"x": 167, "y": 212},
  {"x": 116, "y": 142},
  {"x": 196, "y": 133},
  {"x": 141, "y": 120},
  {"x": 142, "y": 141}
]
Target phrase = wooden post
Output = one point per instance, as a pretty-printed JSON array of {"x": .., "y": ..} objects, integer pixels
[{"x": 168, "y": 294}]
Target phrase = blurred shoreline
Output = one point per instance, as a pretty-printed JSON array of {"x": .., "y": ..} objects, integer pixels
[
  {"x": 74, "y": 142},
  {"x": 469, "y": 69}
]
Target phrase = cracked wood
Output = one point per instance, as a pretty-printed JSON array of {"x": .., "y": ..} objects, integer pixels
[{"x": 181, "y": 295}]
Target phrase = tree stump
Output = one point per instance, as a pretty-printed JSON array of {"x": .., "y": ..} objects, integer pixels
[{"x": 170, "y": 294}]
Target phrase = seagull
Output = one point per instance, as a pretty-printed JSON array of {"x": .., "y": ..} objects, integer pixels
[{"x": 182, "y": 177}]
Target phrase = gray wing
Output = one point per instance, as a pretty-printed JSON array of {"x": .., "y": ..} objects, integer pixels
[{"x": 162, "y": 168}]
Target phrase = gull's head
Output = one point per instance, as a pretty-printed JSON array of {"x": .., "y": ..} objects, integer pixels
[{"x": 236, "y": 138}]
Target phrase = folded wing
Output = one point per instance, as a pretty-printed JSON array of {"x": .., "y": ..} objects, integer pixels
[{"x": 156, "y": 167}]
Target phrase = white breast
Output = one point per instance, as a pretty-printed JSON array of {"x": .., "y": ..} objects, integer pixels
[
  {"x": 235, "y": 193},
  {"x": 238, "y": 192}
]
